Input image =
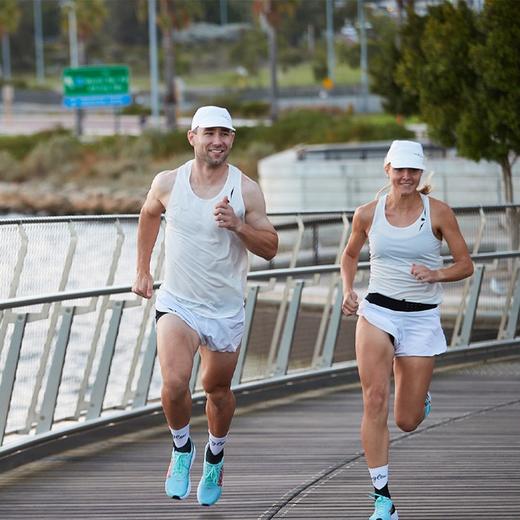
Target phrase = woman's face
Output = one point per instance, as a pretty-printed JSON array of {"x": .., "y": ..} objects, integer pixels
[{"x": 404, "y": 180}]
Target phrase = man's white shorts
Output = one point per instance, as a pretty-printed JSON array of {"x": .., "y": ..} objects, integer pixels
[
  {"x": 218, "y": 334},
  {"x": 417, "y": 333}
]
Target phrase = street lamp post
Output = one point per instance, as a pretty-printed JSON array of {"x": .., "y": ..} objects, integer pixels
[
  {"x": 364, "y": 58},
  {"x": 154, "y": 70},
  {"x": 38, "y": 41}
]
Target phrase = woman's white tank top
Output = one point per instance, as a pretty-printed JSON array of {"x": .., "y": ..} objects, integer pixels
[
  {"x": 393, "y": 250},
  {"x": 205, "y": 266}
]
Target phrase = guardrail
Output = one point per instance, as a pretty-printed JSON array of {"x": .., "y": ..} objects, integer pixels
[{"x": 76, "y": 356}]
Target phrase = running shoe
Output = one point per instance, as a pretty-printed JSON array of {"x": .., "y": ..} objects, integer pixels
[
  {"x": 427, "y": 404},
  {"x": 384, "y": 509},
  {"x": 210, "y": 485},
  {"x": 177, "y": 484}
]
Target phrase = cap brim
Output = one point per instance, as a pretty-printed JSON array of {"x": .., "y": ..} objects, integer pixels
[
  {"x": 417, "y": 165},
  {"x": 215, "y": 123}
]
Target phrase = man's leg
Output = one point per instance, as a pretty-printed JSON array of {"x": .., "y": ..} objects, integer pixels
[
  {"x": 217, "y": 372},
  {"x": 176, "y": 346}
]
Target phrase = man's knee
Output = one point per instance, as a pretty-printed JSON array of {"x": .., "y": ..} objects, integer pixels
[{"x": 175, "y": 387}]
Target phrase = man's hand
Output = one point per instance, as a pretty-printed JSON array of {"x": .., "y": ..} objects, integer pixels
[
  {"x": 225, "y": 215},
  {"x": 143, "y": 285}
]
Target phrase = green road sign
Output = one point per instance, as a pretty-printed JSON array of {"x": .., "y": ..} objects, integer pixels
[{"x": 106, "y": 85}]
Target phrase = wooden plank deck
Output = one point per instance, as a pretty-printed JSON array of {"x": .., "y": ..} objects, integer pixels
[{"x": 301, "y": 458}]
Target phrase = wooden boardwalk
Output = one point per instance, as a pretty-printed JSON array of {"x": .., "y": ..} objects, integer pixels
[{"x": 300, "y": 458}]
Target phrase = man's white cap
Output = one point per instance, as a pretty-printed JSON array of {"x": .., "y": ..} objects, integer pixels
[
  {"x": 212, "y": 117},
  {"x": 405, "y": 154}
]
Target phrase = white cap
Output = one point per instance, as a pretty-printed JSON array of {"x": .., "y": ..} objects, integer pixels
[
  {"x": 212, "y": 117},
  {"x": 405, "y": 154}
]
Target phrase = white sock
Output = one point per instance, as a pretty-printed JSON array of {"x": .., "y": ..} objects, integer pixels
[
  {"x": 379, "y": 476},
  {"x": 216, "y": 444},
  {"x": 180, "y": 437}
]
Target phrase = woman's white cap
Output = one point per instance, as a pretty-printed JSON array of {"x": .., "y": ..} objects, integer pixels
[
  {"x": 405, "y": 154},
  {"x": 212, "y": 117}
]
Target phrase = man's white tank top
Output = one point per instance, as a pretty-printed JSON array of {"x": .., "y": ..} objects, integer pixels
[
  {"x": 393, "y": 250},
  {"x": 205, "y": 266}
]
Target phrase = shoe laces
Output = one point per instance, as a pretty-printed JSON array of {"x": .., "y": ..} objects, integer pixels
[
  {"x": 382, "y": 504},
  {"x": 212, "y": 473},
  {"x": 181, "y": 464}
]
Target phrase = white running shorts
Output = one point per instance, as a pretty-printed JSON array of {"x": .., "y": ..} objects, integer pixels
[
  {"x": 417, "y": 333},
  {"x": 218, "y": 334}
]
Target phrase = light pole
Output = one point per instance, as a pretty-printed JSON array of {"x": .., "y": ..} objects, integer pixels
[
  {"x": 364, "y": 59},
  {"x": 38, "y": 41},
  {"x": 154, "y": 70},
  {"x": 331, "y": 57}
]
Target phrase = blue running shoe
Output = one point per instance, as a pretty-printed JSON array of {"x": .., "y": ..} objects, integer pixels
[
  {"x": 177, "y": 484},
  {"x": 427, "y": 404},
  {"x": 384, "y": 509},
  {"x": 210, "y": 485}
]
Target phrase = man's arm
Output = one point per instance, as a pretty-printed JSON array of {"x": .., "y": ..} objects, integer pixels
[{"x": 148, "y": 229}]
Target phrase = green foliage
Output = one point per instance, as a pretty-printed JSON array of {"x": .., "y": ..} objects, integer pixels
[
  {"x": 55, "y": 157},
  {"x": 463, "y": 67},
  {"x": 19, "y": 146},
  {"x": 385, "y": 57},
  {"x": 9, "y": 168}
]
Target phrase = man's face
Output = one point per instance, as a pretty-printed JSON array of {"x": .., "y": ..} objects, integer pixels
[{"x": 211, "y": 145}]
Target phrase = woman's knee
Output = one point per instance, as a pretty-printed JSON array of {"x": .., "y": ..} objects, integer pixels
[
  {"x": 407, "y": 422},
  {"x": 375, "y": 401}
]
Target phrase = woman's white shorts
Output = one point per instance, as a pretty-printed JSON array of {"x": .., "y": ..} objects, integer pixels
[
  {"x": 417, "y": 333},
  {"x": 218, "y": 334}
]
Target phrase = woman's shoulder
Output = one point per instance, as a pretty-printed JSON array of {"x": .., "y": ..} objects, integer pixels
[
  {"x": 438, "y": 206},
  {"x": 365, "y": 212}
]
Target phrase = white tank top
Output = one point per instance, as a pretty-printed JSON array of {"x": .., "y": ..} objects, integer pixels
[
  {"x": 205, "y": 266},
  {"x": 393, "y": 250}
]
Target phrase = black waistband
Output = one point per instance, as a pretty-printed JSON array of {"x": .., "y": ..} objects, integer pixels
[{"x": 398, "y": 305}]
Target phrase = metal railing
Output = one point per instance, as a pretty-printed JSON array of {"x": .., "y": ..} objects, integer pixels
[{"x": 73, "y": 355}]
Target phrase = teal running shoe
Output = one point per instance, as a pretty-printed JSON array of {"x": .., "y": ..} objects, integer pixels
[
  {"x": 177, "y": 484},
  {"x": 210, "y": 485},
  {"x": 384, "y": 509},
  {"x": 427, "y": 404}
]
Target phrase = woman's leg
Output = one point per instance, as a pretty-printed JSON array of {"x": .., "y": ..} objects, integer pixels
[
  {"x": 413, "y": 375},
  {"x": 374, "y": 354}
]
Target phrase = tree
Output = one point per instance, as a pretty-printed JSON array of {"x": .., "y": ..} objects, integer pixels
[
  {"x": 90, "y": 17},
  {"x": 465, "y": 73},
  {"x": 9, "y": 20},
  {"x": 271, "y": 14}
]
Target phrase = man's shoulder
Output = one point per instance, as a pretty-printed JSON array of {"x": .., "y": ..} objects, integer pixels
[{"x": 164, "y": 181}]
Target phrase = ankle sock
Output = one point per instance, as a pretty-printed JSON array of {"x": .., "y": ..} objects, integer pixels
[{"x": 181, "y": 437}]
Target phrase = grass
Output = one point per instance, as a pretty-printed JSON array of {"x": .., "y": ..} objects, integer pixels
[{"x": 299, "y": 75}]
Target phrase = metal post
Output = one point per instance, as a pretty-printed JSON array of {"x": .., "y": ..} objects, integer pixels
[
  {"x": 6, "y": 57},
  {"x": 55, "y": 373},
  {"x": 223, "y": 12},
  {"x": 252, "y": 296},
  {"x": 364, "y": 58},
  {"x": 154, "y": 69},
  {"x": 38, "y": 41},
  {"x": 9, "y": 371},
  {"x": 331, "y": 57}
]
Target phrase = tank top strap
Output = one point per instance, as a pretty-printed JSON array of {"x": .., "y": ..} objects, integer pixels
[{"x": 379, "y": 212}]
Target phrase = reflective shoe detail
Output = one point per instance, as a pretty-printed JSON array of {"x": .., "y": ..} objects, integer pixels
[
  {"x": 177, "y": 484},
  {"x": 384, "y": 509},
  {"x": 210, "y": 485},
  {"x": 427, "y": 404}
]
